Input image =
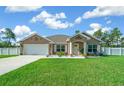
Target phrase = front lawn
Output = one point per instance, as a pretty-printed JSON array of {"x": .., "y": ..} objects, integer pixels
[
  {"x": 6, "y": 56},
  {"x": 96, "y": 71}
]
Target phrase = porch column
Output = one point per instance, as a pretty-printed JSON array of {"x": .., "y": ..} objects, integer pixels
[
  {"x": 85, "y": 48},
  {"x": 66, "y": 50},
  {"x": 54, "y": 48},
  {"x": 22, "y": 49},
  {"x": 70, "y": 47},
  {"x": 99, "y": 48},
  {"x": 51, "y": 49}
]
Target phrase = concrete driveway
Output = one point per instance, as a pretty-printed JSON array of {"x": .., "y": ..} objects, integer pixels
[{"x": 12, "y": 63}]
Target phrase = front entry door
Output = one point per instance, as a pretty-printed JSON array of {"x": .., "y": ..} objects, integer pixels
[{"x": 76, "y": 49}]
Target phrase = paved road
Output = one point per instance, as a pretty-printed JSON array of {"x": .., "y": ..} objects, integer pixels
[{"x": 12, "y": 63}]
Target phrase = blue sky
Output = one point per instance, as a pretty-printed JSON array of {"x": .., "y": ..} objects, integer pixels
[{"x": 49, "y": 20}]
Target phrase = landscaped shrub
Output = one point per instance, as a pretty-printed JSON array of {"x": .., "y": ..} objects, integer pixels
[
  {"x": 66, "y": 53},
  {"x": 60, "y": 54},
  {"x": 95, "y": 54},
  {"x": 82, "y": 51},
  {"x": 91, "y": 54},
  {"x": 85, "y": 55},
  {"x": 101, "y": 54}
]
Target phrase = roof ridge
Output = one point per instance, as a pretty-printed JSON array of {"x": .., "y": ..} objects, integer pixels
[{"x": 59, "y": 35}]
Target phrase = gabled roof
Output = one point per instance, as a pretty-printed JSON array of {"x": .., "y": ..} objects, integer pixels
[
  {"x": 59, "y": 38},
  {"x": 91, "y": 36},
  {"x": 37, "y": 35},
  {"x": 87, "y": 37},
  {"x": 62, "y": 38}
]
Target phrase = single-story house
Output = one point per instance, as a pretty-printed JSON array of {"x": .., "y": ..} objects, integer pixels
[{"x": 81, "y": 43}]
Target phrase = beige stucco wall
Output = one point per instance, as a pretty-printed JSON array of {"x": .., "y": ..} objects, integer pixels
[{"x": 92, "y": 41}]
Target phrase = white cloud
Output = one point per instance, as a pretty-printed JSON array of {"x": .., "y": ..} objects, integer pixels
[
  {"x": 56, "y": 24},
  {"x": 108, "y": 22},
  {"x": 60, "y": 15},
  {"x": 22, "y": 31},
  {"x": 104, "y": 29},
  {"x": 78, "y": 20},
  {"x": 41, "y": 17},
  {"x": 95, "y": 27},
  {"x": 53, "y": 21},
  {"x": 107, "y": 19},
  {"x": 22, "y": 8},
  {"x": 104, "y": 11},
  {"x": 2, "y": 30}
]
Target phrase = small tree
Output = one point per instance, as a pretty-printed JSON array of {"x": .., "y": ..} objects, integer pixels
[
  {"x": 104, "y": 36},
  {"x": 122, "y": 42},
  {"x": 106, "y": 39},
  {"x": 9, "y": 36},
  {"x": 98, "y": 34},
  {"x": 115, "y": 36},
  {"x": 77, "y": 31}
]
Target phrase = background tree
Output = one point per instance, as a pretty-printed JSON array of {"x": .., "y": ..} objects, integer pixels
[
  {"x": 9, "y": 36},
  {"x": 106, "y": 39},
  {"x": 98, "y": 34},
  {"x": 77, "y": 31},
  {"x": 111, "y": 39},
  {"x": 122, "y": 42},
  {"x": 104, "y": 36},
  {"x": 115, "y": 37}
]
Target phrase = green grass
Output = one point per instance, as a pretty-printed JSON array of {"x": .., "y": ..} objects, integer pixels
[
  {"x": 6, "y": 56},
  {"x": 96, "y": 71}
]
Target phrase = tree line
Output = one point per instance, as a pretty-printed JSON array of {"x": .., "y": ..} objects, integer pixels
[
  {"x": 113, "y": 38},
  {"x": 7, "y": 38}
]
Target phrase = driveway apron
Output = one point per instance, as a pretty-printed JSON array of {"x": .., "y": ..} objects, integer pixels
[{"x": 12, "y": 63}]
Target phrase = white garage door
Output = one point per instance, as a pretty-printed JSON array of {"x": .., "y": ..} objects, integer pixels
[{"x": 36, "y": 49}]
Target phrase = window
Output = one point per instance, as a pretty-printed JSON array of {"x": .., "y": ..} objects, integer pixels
[
  {"x": 60, "y": 48},
  {"x": 63, "y": 48},
  {"x": 92, "y": 48}
]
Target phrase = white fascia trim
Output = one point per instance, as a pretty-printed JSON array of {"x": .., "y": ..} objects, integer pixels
[{"x": 85, "y": 36}]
